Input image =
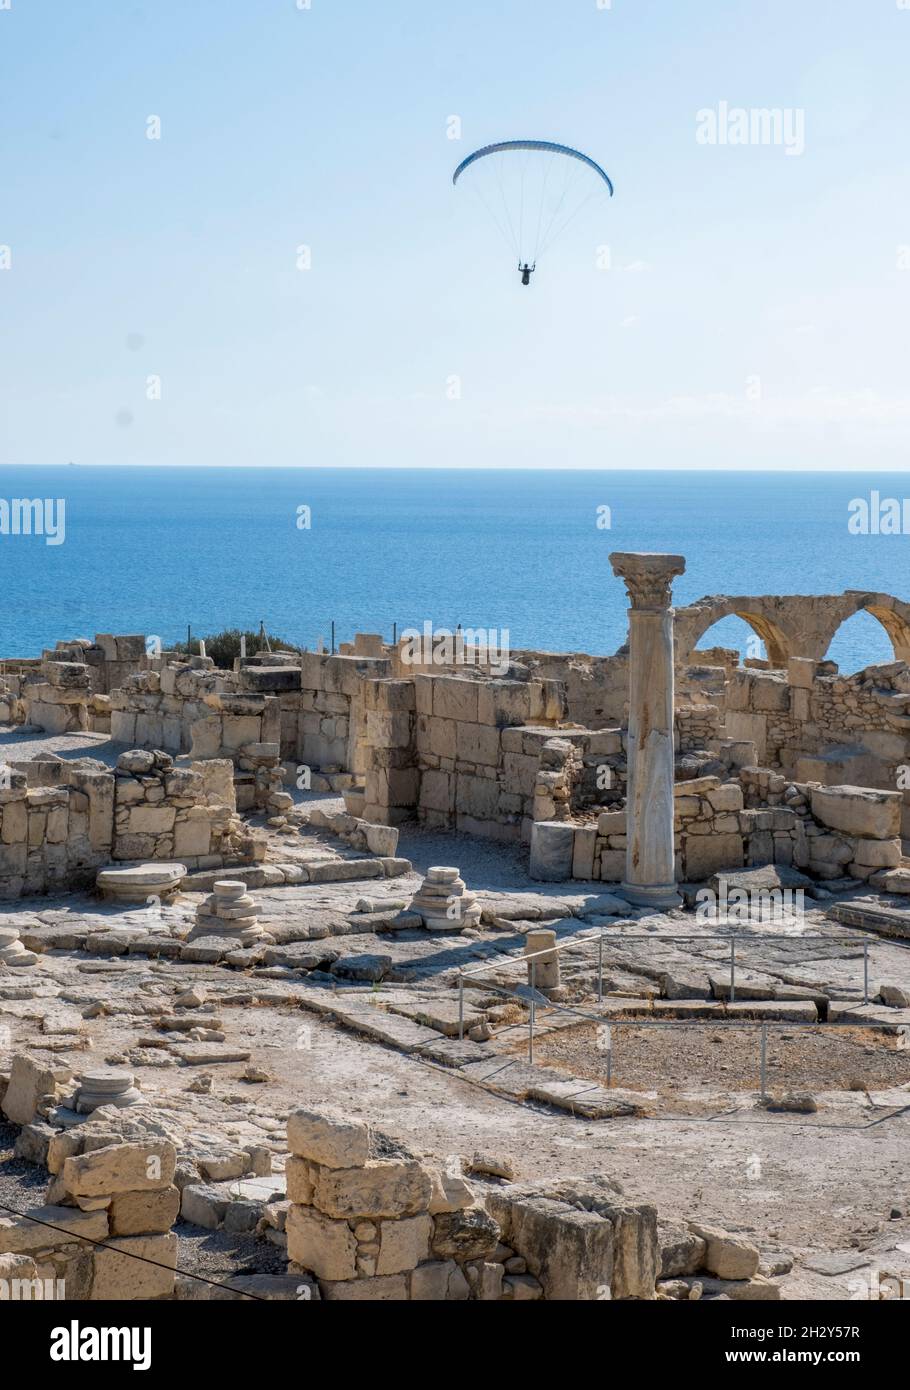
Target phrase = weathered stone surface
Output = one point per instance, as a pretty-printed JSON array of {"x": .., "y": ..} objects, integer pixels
[
  {"x": 379, "y": 1188},
  {"x": 138, "y": 1213},
  {"x": 580, "y": 1253},
  {"x": 384, "y": 1289},
  {"x": 552, "y": 850},
  {"x": 121, "y": 1168},
  {"x": 328, "y": 1138},
  {"x": 120, "y": 1275},
  {"x": 469, "y": 1234},
  {"x": 681, "y": 1251},
  {"x": 403, "y": 1244},
  {"x": 203, "y": 1205},
  {"x": 859, "y": 811},
  {"x": 29, "y": 1081},
  {"x": 439, "y": 1281},
  {"x": 322, "y": 1245},
  {"x": 726, "y": 1256},
  {"x": 20, "y": 1235}
]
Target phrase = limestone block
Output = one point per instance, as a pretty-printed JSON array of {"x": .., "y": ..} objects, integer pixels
[
  {"x": 205, "y": 737},
  {"x": 192, "y": 838},
  {"x": 502, "y": 703},
  {"x": 119, "y": 1276},
  {"x": 317, "y": 1243},
  {"x": 139, "y": 1213},
  {"x": 552, "y": 851},
  {"x": 770, "y": 693},
  {"x": 577, "y": 1254},
  {"x": 583, "y": 851},
  {"x": 28, "y": 1082},
  {"x": 451, "y": 1191},
  {"x": 403, "y": 1244},
  {"x": 707, "y": 854},
  {"x": 328, "y": 1138},
  {"x": 436, "y": 736},
  {"x": 151, "y": 820},
  {"x": 299, "y": 1174},
  {"x": 858, "y": 811},
  {"x": 477, "y": 796},
  {"x": 240, "y": 729},
  {"x": 801, "y": 671},
  {"x": 478, "y": 743},
  {"x": 726, "y": 1256},
  {"x": 877, "y": 854},
  {"x": 454, "y": 698},
  {"x": 20, "y": 1235},
  {"x": 385, "y": 1289},
  {"x": 612, "y": 865},
  {"x": 611, "y": 823},
  {"x": 15, "y": 822},
  {"x": 381, "y": 1188},
  {"x": 439, "y": 1281},
  {"x": 728, "y": 797},
  {"x": 121, "y": 1168}
]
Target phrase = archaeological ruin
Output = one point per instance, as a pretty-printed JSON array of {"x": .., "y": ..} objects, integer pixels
[{"x": 415, "y": 971}]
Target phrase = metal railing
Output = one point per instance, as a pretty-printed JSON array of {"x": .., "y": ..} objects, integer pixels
[{"x": 531, "y": 997}]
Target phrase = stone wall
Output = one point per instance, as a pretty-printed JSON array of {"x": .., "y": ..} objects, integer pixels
[
  {"x": 826, "y": 727},
  {"x": 102, "y": 1189},
  {"x": 56, "y": 826},
  {"x": 61, "y": 821},
  {"x": 372, "y": 1221},
  {"x": 758, "y": 819},
  {"x": 186, "y": 814}
]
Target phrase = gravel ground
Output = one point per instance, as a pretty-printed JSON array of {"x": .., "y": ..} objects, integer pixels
[{"x": 685, "y": 1056}]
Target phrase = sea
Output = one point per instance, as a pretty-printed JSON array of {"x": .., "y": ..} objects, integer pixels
[{"x": 313, "y": 553}]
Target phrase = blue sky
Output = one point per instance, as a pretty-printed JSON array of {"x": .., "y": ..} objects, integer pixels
[{"x": 735, "y": 270}]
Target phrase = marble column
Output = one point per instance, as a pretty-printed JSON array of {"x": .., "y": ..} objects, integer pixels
[{"x": 650, "y": 879}]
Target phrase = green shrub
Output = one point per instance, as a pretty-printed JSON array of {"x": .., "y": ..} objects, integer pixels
[{"x": 223, "y": 647}]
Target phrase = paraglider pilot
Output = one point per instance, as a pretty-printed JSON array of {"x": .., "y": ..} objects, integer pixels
[{"x": 526, "y": 271}]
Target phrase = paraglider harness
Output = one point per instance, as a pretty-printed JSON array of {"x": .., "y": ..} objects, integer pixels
[{"x": 526, "y": 271}]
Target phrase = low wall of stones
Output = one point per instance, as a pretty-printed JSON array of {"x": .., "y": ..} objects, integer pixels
[
  {"x": 56, "y": 826},
  {"x": 61, "y": 821},
  {"x": 826, "y": 727},
  {"x": 373, "y": 1221},
  {"x": 759, "y": 819},
  {"x": 187, "y": 814}
]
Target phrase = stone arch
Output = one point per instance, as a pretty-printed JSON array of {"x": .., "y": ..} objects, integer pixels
[
  {"x": 891, "y": 612},
  {"x": 693, "y": 622}
]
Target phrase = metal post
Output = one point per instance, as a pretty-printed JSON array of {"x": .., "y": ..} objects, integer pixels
[
  {"x": 460, "y": 1008},
  {"x": 600, "y": 969},
  {"x": 764, "y": 1058},
  {"x": 394, "y": 634},
  {"x": 531, "y": 1014},
  {"x": 865, "y": 972},
  {"x": 333, "y": 636},
  {"x": 733, "y": 969}
]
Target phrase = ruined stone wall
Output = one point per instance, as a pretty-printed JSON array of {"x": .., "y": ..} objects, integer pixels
[
  {"x": 61, "y": 821},
  {"x": 827, "y": 728},
  {"x": 478, "y": 745},
  {"x": 56, "y": 826},
  {"x": 165, "y": 812},
  {"x": 371, "y": 1220},
  {"x": 109, "y": 659},
  {"x": 760, "y": 818}
]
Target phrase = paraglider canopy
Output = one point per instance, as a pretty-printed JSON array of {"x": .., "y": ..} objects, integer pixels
[{"x": 533, "y": 189}]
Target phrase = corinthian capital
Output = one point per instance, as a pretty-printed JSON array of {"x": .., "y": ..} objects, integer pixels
[{"x": 648, "y": 578}]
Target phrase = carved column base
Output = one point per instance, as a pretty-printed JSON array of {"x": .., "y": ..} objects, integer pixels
[{"x": 660, "y": 896}]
